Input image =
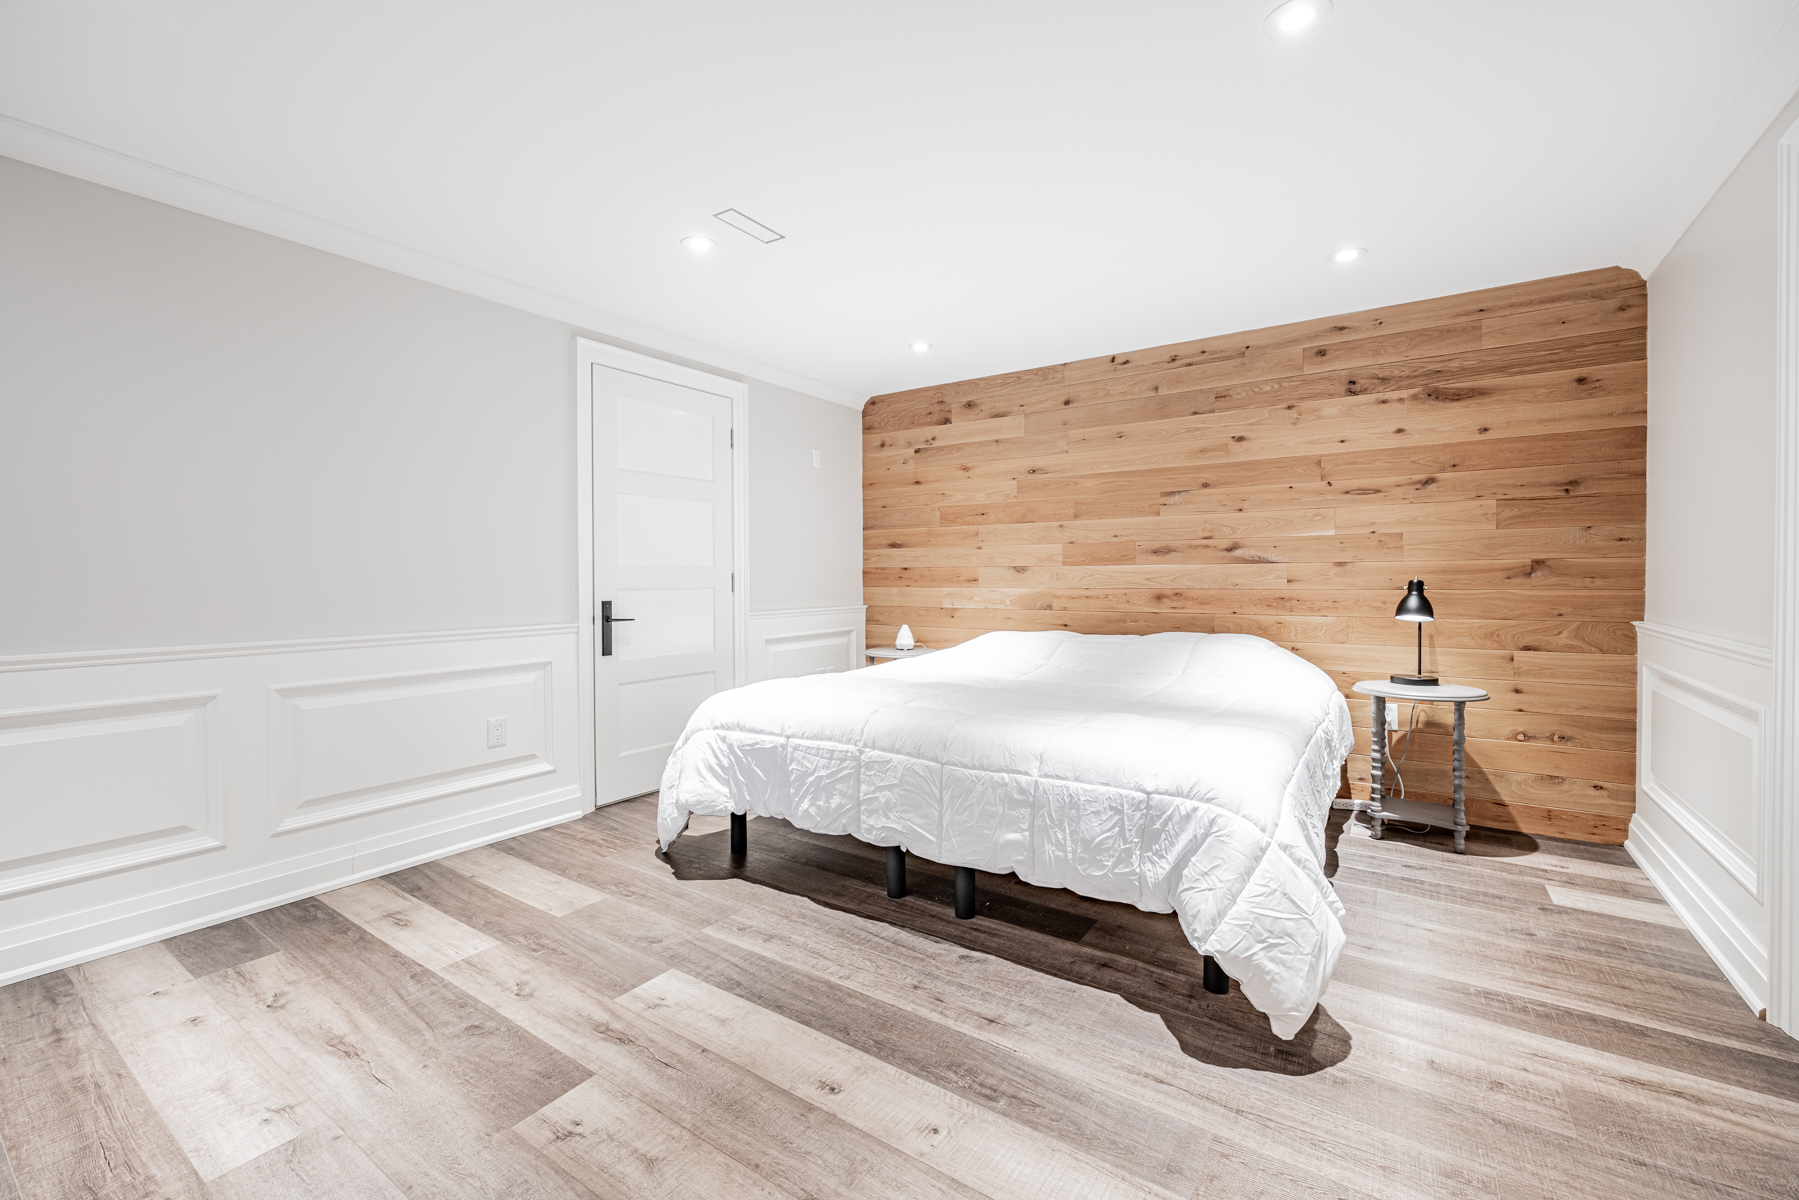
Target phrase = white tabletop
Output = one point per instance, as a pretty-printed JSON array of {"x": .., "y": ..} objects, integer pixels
[
  {"x": 1447, "y": 692},
  {"x": 896, "y": 652}
]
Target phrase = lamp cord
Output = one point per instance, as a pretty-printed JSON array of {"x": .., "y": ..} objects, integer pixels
[
  {"x": 1410, "y": 728},
  {"x": 1398, "y": 767}
]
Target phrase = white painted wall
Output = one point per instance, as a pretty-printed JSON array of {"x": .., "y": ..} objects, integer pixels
[
  {"x": 1705, "y": 655},
  {"x": 346, "y": 498}
]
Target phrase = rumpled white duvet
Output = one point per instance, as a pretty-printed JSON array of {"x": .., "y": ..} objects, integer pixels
[{"x": 1181, "y": 772}]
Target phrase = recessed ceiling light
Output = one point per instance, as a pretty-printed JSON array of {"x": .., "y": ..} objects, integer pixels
[
  {"x": 698, "y": 245},
  {"x": 1349, "y": 254},
  {"x": 1296, "y": 17},
  {"x": 921, "y": 347}
]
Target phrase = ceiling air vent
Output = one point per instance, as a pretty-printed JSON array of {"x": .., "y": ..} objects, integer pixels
[{"x": 743, "y": 224}]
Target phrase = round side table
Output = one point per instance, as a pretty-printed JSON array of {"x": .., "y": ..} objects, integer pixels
[
  {"x": 882, "y": 653},
  {"x": 1382, "y": 808}
]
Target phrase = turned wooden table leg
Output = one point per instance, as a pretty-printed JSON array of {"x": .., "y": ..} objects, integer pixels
[{"x": 1461, "y": 814}]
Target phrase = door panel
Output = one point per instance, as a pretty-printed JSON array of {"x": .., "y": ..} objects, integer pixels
[
  {"x": 654, "y": 531},
  {"x": 659, "y": 439},
  {"x": 674, "y": 621},
  {"x": 662, "y": 525},
  {"x": 652, "y": 712}
]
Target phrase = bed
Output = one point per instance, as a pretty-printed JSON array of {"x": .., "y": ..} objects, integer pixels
[{"x": 1179, "y": 772}]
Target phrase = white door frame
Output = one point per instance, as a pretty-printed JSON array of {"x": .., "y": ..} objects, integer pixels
[
  {"x": 1783, "y": 852},
  {"x": 589, "y": 354}
]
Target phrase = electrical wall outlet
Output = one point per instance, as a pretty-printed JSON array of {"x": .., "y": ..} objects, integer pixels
[
  {"x": 496, "y": 732},
  {"x": 818, "y": 458}
]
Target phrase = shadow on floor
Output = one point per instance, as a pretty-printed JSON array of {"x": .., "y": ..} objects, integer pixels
[
  {"x": 1481, "y": 841},
  {"x": 1144, "y": 958}
]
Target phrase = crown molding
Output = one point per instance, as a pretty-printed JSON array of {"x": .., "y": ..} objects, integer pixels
[
  {"x": 70, "y": 156},
  {"x": 1767, "y": 88}
]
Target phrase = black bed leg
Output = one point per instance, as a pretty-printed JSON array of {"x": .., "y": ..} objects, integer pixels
[
  {"x": 1217, "y": 982},
  {"x": 965, "y": 892},
  {"x": 896, "y": 872},
  {"x": 740, "y": 834}
]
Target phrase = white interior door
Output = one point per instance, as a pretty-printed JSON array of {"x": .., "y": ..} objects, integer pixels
[{"x": 662, "y": 563}]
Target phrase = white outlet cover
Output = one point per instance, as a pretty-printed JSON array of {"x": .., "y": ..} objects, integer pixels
[{"x": 496, "y": 732}]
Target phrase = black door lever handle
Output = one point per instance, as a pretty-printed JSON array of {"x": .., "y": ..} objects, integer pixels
[{"x": 607, "y": 621}]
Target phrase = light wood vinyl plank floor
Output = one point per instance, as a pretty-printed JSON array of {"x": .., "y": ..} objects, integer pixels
[{"x": 570, "y": 1014}]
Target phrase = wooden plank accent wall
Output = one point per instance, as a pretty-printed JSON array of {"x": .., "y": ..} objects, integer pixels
[{"x": 1287, "y": 482}]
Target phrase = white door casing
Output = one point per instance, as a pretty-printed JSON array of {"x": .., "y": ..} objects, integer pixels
[
  {"x": 660, "y": 528},
  {"x": 1783, "y": 845}
]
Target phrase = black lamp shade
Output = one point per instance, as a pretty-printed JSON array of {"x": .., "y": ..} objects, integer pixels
[{"x": 1413, "y": 606}]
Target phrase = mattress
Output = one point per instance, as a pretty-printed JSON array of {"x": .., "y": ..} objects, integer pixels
[{"x": 1179, "y": 772}]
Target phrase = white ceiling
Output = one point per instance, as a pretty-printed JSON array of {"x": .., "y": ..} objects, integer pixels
[{"x": 1017, "y": 181}]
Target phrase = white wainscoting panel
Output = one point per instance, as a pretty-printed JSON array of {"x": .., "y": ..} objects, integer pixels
[
  {"x": 349, "y": 747},
  {"x": 144, "y": 793},
  {"x": 1703, "y": 808},
  {"x": 90, "y": 788},
  {"x": 805, "y": 641}
]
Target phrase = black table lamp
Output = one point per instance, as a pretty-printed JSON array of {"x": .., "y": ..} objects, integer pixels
[{"x": 1415, "y": 608}]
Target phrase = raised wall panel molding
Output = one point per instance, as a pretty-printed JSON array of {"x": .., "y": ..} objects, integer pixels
[
  {"x": 115, "y": 658},
  {"x": 805, "y": 641},
  {"x": 1705, "y": 797},
  {"x": 91, "y": 789},
  {"x": 1755, "y": 656},
  {"x": 84, "y": 160},
  {"x": 1741, "y": 717},
  {"x": 346, "y": 748},
  {"x": 143, "y": 794},
  {"x": 1710, "y": 919}
]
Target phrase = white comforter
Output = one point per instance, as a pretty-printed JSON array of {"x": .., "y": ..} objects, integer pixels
[{"x": 1178, "y": 772}]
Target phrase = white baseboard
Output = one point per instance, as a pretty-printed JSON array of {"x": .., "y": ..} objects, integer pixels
[
  {"x": 1711, "y": 921},
  {"x": 182, "y": 910}
]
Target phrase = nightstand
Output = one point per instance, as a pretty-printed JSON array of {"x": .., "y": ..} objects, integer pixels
[
  {"x": 885, "y": 652},
  {"x": 1383, "y": 808}
]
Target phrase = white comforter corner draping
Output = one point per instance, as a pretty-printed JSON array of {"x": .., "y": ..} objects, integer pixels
[{"x": 1177, "y": 772}]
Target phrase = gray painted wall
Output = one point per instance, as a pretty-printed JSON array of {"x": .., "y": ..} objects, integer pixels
[
  {"x": 805, "y": 521},
  {"x": 211, "y": 435}
]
